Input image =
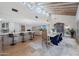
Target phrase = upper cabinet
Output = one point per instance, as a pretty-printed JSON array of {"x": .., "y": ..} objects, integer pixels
[
  {"x": 22, "y": 27},
  {"x": 4, "y": 27}
]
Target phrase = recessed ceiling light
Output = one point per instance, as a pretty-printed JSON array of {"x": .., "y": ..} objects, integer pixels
[
  {"x": 36, "y": 16},
  {"x": 15, "y": 10}
]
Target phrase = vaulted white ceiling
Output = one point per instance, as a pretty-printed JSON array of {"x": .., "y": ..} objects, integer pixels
[
  {"x": 27, "y": 16},
  {"x": 24, "y": 15}
]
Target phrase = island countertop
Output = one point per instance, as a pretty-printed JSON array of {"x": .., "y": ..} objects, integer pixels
[{"x": 2, "y": 34}]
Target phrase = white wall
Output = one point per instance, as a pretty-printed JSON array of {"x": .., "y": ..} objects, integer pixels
[
  {"x": 14, "y": 27},
  {"x": 0, "y": 27},
  {"x": 66, "y": 19},
  {"x": 28, "y": 27},
  {"x": 77, "y": 24},
  {"x": 11, "y": 27},
  {"x": 77, "y": 13},
  {"x": 36, "y": 28}
]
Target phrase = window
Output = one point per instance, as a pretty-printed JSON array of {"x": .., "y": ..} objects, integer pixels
[
  {"x": 29, "y": 5},
  {"x": 36, "y": 8}
]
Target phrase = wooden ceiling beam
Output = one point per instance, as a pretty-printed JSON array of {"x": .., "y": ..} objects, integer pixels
[{"x": 60, "y": 4}]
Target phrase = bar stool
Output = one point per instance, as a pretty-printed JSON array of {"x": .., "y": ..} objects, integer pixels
[
  {"x": 13, "y": 41},
  {"x": 22, "y": 34},
  {"x": 2, "y": 40},
  {"x": 34, "y": 35},
  {"x": 31, "y": 36}
]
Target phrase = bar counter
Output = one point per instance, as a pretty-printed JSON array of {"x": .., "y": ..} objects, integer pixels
[{"x": 14, "y": 33}]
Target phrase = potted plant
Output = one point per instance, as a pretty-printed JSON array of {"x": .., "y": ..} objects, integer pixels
[{"x": 72, "y": 32}]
